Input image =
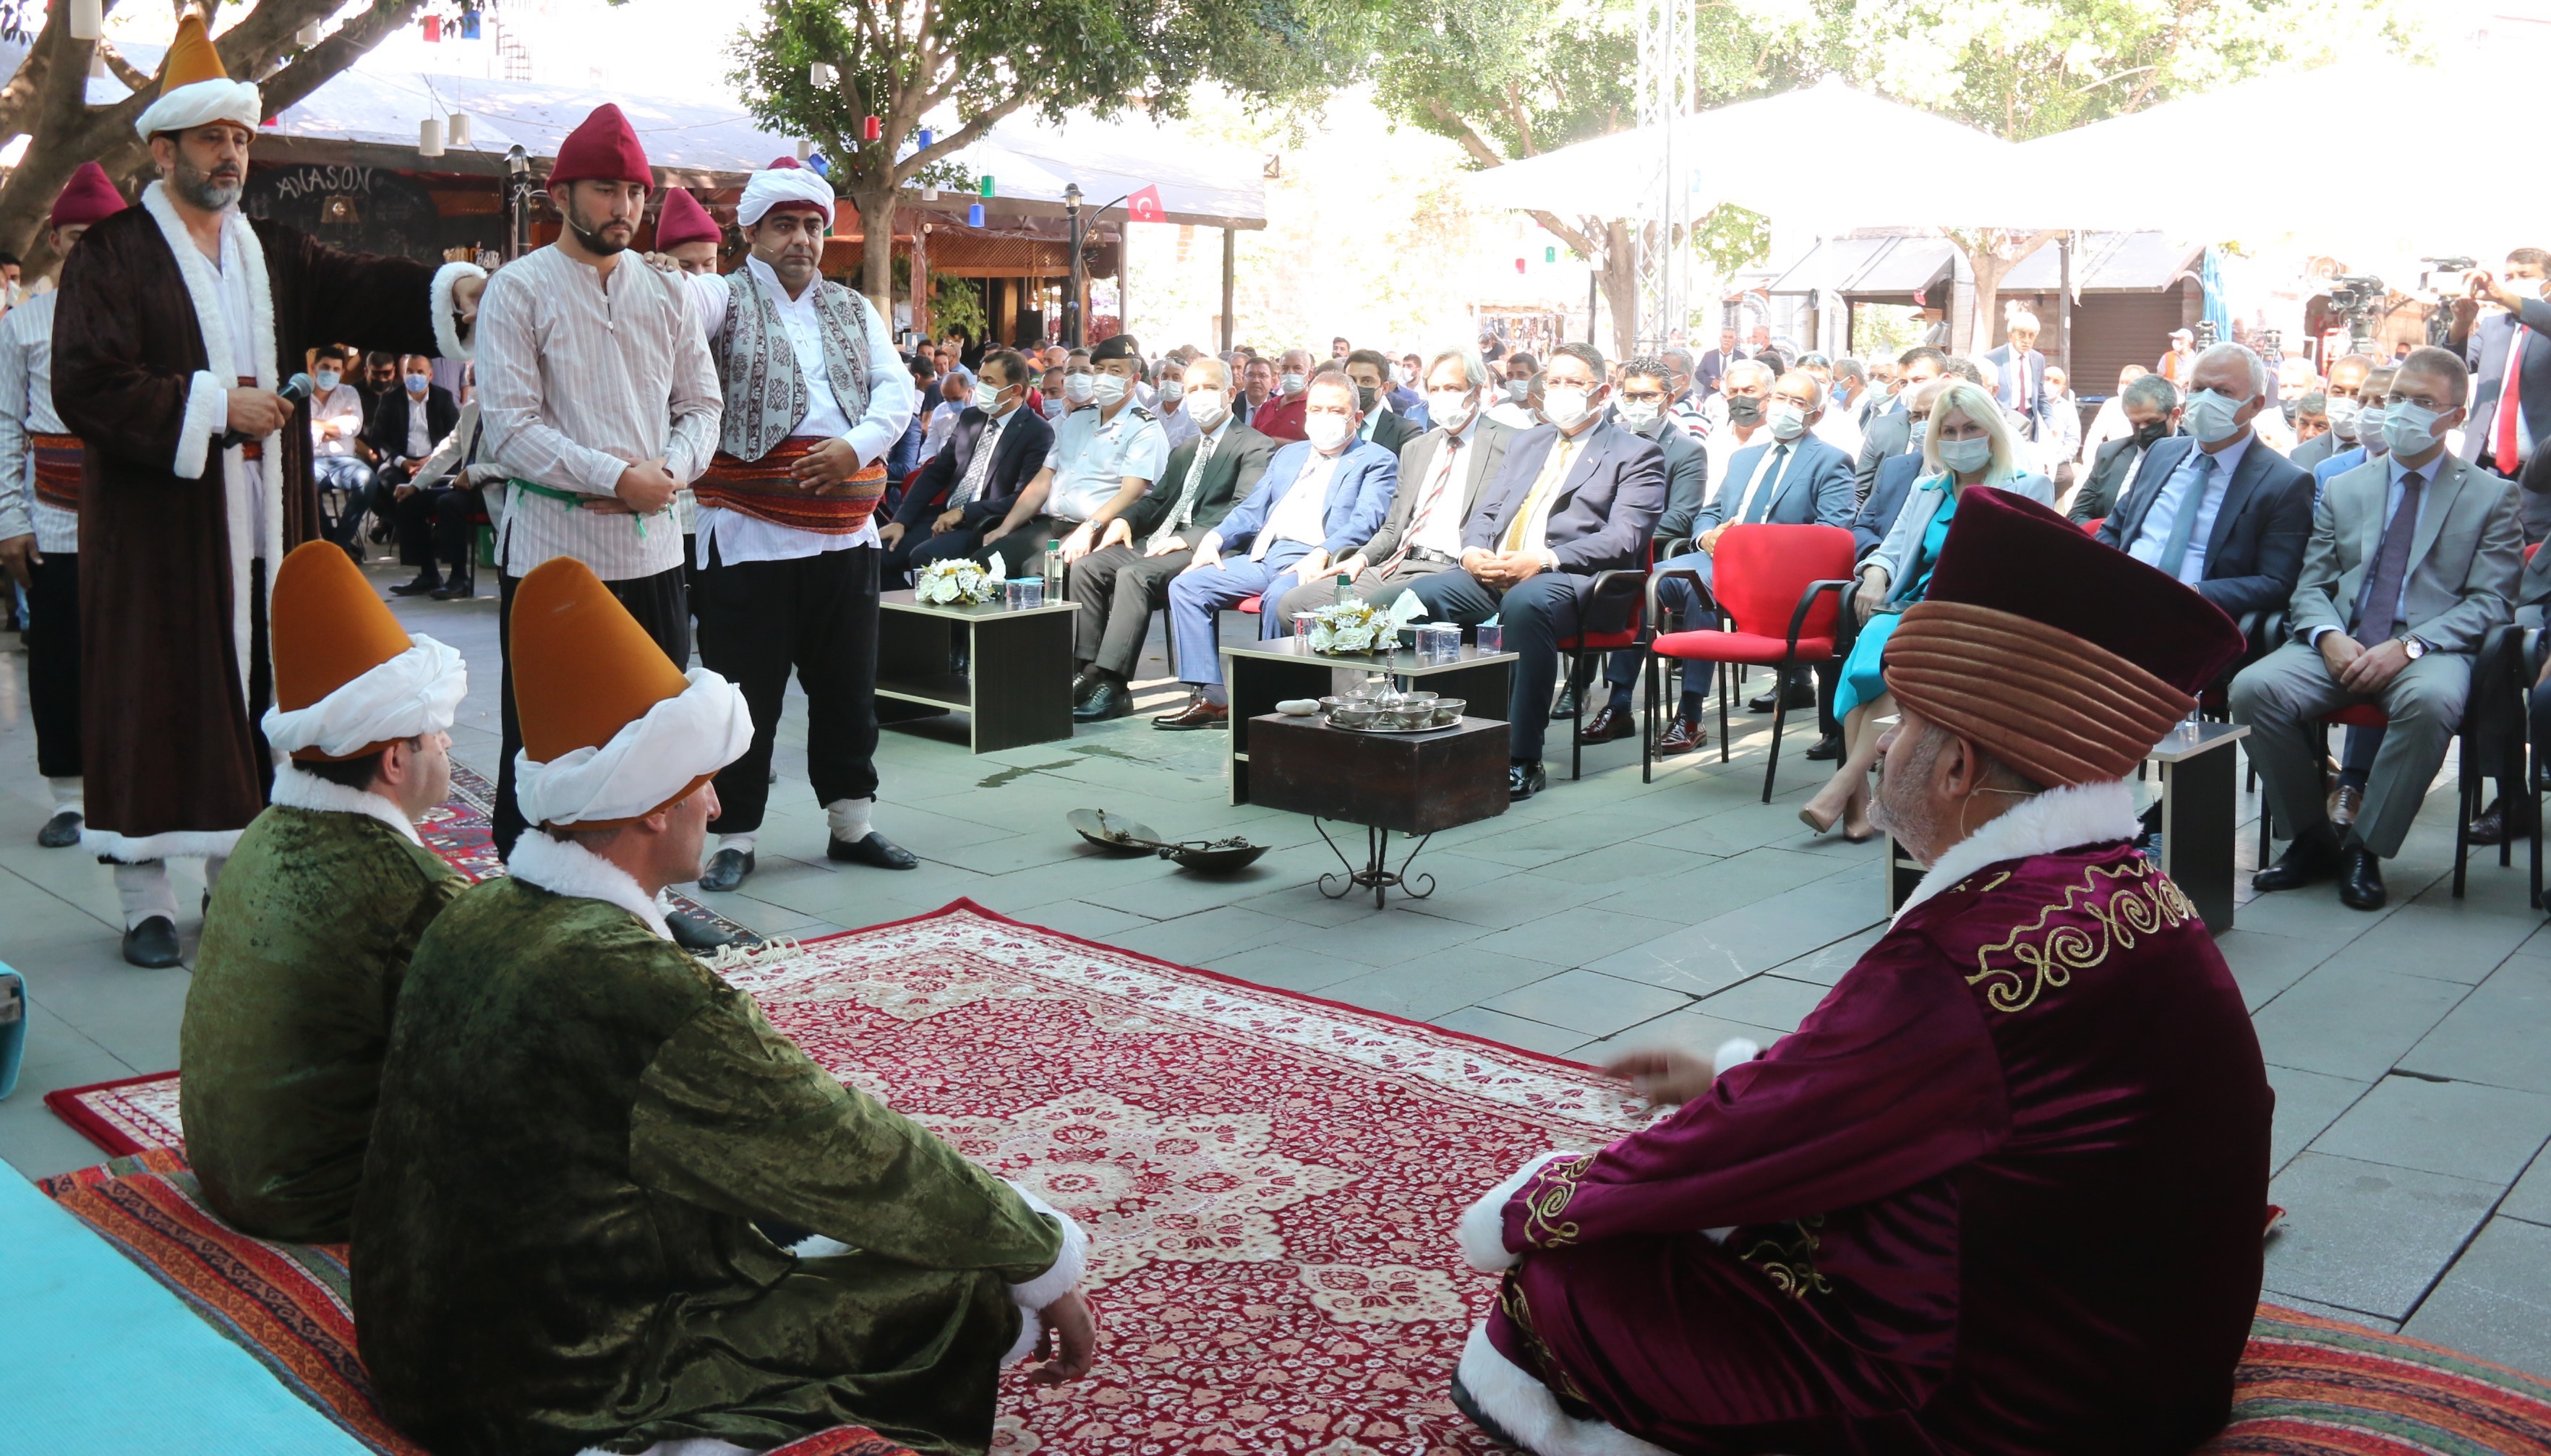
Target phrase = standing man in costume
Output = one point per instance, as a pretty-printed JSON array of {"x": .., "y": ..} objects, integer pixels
[
  {"x": 598, "y": 399},
  {"x": 548, "y": 1029},
  {"x": 788, "y": 557},
  {"x": 167, "y": 349},
  {"x": 686, "y": 233},
  {"x": 2005, "y": 1191},
  {"x": 39, "y": 490},
  {"x": 309, "y": 935}
]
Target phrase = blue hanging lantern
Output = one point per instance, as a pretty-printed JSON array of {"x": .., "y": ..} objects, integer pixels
[
  {"x": 925, "y": 138},
  {"x": 973, "y": 215},
  {"x": 815, "y": 163},
  {"x": 469, "y": 25}
]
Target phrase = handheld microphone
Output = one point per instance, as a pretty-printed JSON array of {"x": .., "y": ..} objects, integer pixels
[{"x": 294, "y": 391}]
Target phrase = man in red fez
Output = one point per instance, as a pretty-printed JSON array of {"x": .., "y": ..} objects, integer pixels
[
  {"x": 2004, "y": 1191},
  {"x": 686, "y": 233},
  {"x": 39, "y": 479},
  {"x": 599, "y": 401}
]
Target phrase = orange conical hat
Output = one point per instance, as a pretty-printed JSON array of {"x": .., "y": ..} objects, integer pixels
[
  {"x": 194, "y": 89},
  {"x": 191, "y": 57},
  {"x": 349, "y": 680}
]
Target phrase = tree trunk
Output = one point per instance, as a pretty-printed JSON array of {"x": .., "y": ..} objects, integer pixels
[
  {"x": 1622, "y": 286},
  {"x": 877, "y": 246}
]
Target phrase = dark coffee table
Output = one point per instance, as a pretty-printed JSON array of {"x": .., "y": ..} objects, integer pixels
[
  {"x": 1258, "y": 675},
  {"x": 1414, "y": 783},
  {"x": 1017, "y": 686}
]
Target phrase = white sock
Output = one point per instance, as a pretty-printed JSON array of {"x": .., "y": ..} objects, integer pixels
[
  {"x": 740, "y": 843},
  {"x": 849, "y": 818},
  {"x": 67, "y": 794},
  {"x": 144, "y": 889}
]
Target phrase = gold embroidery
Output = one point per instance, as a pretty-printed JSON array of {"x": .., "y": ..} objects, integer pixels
[
  {"x": 1518, "y": 1312},
  {"x": 1961, "y": 886},
  {"x": 1790, "y": 1262},
  {"x": 1547, "y": 1196},
  {"x": 2146, "y": 902}
]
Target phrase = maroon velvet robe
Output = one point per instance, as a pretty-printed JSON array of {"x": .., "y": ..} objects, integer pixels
[
  {"x": 2002, "y": 1192},
  {"x": 176, "y": 764}
]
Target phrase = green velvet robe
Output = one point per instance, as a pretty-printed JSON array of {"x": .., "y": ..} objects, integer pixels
[
  {"x": 555, "y": 1246},
  {"x": 288, "y": 1016}
]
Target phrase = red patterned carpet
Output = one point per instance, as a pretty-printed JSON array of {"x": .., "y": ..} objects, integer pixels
[{"x": 1269, "y": 1183}]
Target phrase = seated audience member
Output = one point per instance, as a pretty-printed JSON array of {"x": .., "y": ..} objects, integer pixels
[
  {"x": 335, "y": 429},
  {"x": 2059, "y": 431},
  {"x": 1515, "y": 412},
  {"x": 551, "y": 1030},
  {"x": 928, "y": 389},
  {"x": 1403, "y": 397},
  {"x": 1983, "y": 1198},
  {"x": 939, "y": 417},
  {"x": 1639, "y": 406},
  {"x": 1057, "y": 401},
  {"x": 2413, "y": 558},
  {"x": 2368, "y": 424},
  {"x": 2339, "y": 403},
  {"x": 2108, "y": 421},
  {"x": 1104, "y": 455},
  {"x": 1970, "y": 443},
  {"x": 2358, "y": 746},
  {"x": 1370, "y": 370},
  {"x": 1441, "y": 474},
  {"x": 1280, "y": 418},
  {"x": 380, "y": 379},
  {"x": 1577, "y": 496},
  {"x": 2214, "y": 507},
  {"x": 1887, "y": 432},
  {"x": 314, "y": 916},
  {"x": 1258, "y": 389},
  {"x": 2311, "y": 422},
  {"x": 2149, "y": 407},
  {"x": 403, "y": 431},
  {"x": 1170, "y": 401},
  {"x": 995, "y": 448},
  {"x": 2021, "y": 372},
  {"x": 1320, "y": 499},
  {"x": 1895, "y": 477},
  {"x": 1118, "y": 585},
  {"x": 1791, "y": 478},
  {"x": 457, "y": 477}
]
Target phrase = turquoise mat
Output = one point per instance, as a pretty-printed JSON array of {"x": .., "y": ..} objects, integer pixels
[{"x": 102, "y": 1361}]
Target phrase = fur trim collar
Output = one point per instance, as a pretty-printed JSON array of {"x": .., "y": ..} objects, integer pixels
[
  {"x": 2057, "y": 819},
  {"x": 1480, "y": 1231},
  {"x": 446, "y": 329},
  {"x": 1509, "y": 1396},
  {"x": 297, "y": 788},
  {"x": 564, "y": 868}
]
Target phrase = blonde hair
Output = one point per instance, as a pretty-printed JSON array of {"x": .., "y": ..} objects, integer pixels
[{"x": 1972, "y": 400}]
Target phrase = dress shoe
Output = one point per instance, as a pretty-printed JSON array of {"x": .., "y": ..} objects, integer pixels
[
  {"x": 727, "y": 869},
  {"x": 1523, "y": 780},
  {"x": 695, "y": 934},
  {"x": 61, "y": 831},
  {"x": 1105, "y": 701},
  {"x": 2360, "y": 878},
  {"x": 1801, "y": 696},
  {"x": 2344, "y": 803},
  {"x": 456, "y": 589},
  {"x": 2497, "y": 823},
  {"x": 1566, "y": 705},
  {"x": 1682, "y": 735},
  {"x": 417, "y": 588},
  {"x": 876, "y": 851},
  {"x": 2312, "y": 858},
  {"x": 1610, "y": 723},
  {"x": 1198, "y": 713},
  {"x": 151, "y": 944},
  {"x": 1828, "y": 749},
  {"x": 1082, "y": 681}
]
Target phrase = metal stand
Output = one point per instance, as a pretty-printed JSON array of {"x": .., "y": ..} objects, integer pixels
[{"x": 1377, "y": 874}]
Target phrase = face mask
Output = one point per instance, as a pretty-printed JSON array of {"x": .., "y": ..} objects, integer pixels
[
  {"x": 1788, "y": 421},
  {"x": 1173, "y": 391},
  {"x": 1564, "y": 405},
  {"x": 2209, "y": 415},
  {"x": 1327, "y": 431},
  {"x": 2148, "y": 435},
  {"x": 2369, "y": 429},
  {"x": 1205, "y": 407},
  {"x": 987, "y": 397},
  {"x": 2342, "y": 415},
  {"x": 1922, "y": 427},
  {"x": 2408, "y": 429},
  {"x": 1366, "y": 397},
  {"x": 1743, "y": 409},
  {"x": 1291, "y": 384},
  {"x": 1078, "y": 388},
  {"x": 1638, "y": 415},
  {"x": 1448, "y": 407},
  {"x": 1107, "y": 389},
  {"x": 1964, "y": 455},
  {"x": 1518, "y": 390},
  {"x": 416, "y": 383},
  {"x": 325, "y": 379}
]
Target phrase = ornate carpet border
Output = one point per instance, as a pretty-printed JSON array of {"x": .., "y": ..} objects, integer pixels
[{"x": 72, "y": 1105}]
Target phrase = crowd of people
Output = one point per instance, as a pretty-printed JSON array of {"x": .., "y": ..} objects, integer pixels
[{"x": 594, "y": 1199}]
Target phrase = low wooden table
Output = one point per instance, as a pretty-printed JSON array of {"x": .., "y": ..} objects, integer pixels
[
  {"x": 1017, "y": 686},
  {"x": 1258, "y": 675},
  {"x": 2199, "y": 807},
  {"x": 1414, "y": 783}
]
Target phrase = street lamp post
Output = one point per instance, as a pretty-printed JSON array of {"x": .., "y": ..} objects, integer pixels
[
  {"x": 518, "y": 200},
  {"x": 1079, "y": 270}
]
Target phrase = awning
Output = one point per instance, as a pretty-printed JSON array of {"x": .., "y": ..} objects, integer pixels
[
  {"x": 1859, "y": 267},
  {"x": 2109, "y": 262}
]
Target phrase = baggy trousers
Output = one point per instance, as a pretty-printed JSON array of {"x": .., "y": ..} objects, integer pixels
[{"x": 816, "y": 614}]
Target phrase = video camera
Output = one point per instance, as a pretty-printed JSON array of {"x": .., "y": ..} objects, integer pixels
[{"x": 2357, "y": 294}]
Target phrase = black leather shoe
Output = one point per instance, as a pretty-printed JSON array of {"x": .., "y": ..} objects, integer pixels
[
  {"x": 1682, "y": 735},
  {"x": 1566, "y": 707},
  {"x": 1198, "y": 713},
  {"x": 2360, "y": 878},
  {"x": 1801, "y": 696},
  {"x": 1523, "y": 780},
  {"x": 2491, "y": 826},
  {"x": 875, "y": 852},
  {"x": 727, "y": 869},
  {"x": 151, "y": 944},
  {"x": 1082, "y": 681},
  {"x": 61, "y": 831},
  {"x": 419, "y": 587},
  {"x": 695, "y": 934},
  {"x": 2312, "y": 858},
  {"x": 454, "y": 590},
  {"x": 1828, "y": 749},
  {"x": 1610, "y": 723},
  {"x": 1105, "y": 701}
]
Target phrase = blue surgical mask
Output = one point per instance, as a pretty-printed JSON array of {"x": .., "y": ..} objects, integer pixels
[
  {"x": 1964, "y": 456},
  {"x": 2410, "y": 429},
  {"x": 324, "y": 379},
  {"x": 416, "y": 383},
  {"x": 2210, "y": 415}
]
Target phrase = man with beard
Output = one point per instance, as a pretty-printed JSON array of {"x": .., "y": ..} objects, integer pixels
[
  {"x": 175, "y": 320},
  {"x": 599, "y": 401},
  {"x": 1998, "y": 1193}
]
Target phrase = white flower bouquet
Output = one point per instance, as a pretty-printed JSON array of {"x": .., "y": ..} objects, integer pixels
[
  {"x": 1363, "y": 626},
  {"x": 956, "y": 581}
]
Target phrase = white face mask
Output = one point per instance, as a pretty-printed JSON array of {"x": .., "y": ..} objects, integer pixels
[
  {"x": 2408, "y": 429},
  {"x": 2342, "y": 415},
  {"x": 324, "y": 379},
  {"x": 1205, "y": 407},
  {"x": 1327, "y": 433},
  {"x": 987, "y": 397},
  {"x": 1787, "y": 419},
  {"x": 1450, "y": 408},
  {"x": 1518, "y": 390},
  {"x": 2369, "y": 429},
  {"x": 1565, "y": 405},
  {"x": 1078, "y": 388},
  {"x": 1173, "y": 391},
  {"x": 1964, "y": 455},
  {"x": 1290, "y": 383},
  {"x": 2210, "y": 415},
  {"x": 1638, "y": 415},
  {"x": 1107, "y": 389}
]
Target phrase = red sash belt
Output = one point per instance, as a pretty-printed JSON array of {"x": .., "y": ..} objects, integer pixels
[
  {"x": 765, "y": 490},
  {"x": 58, "y": 470}
]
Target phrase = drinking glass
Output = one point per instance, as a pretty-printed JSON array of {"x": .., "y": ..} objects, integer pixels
[
  {"x": 1491, "y": 637},
  {"x": 1033, "y": 593}
]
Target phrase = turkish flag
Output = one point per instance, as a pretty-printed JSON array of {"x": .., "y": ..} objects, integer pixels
[{"x": 1144, "y": 207}]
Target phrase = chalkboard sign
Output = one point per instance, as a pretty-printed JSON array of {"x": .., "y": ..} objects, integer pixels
[{"x": 356, "y": 209}]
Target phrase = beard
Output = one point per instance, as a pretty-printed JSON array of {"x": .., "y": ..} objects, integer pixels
[
  {"x": 200, "y": 190},
  {"x": 594, "y": 242},
  {"x": 1898, "y": 807}
]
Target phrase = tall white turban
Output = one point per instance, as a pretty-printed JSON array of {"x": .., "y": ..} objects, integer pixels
[{"x": 775, "y": 185}]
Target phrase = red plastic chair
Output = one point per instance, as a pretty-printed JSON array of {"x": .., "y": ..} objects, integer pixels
[
  {"x": 1609, "y": 586},
  {"x": 1780, "y": 589}
]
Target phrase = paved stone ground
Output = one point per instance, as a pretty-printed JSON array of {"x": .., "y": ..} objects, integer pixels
[{"x": 2410, "y": 1049}]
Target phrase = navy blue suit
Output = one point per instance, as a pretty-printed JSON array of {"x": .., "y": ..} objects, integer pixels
[
  {"x": 2254, "y": 554},
  {"x": 1358, "y": 497}
]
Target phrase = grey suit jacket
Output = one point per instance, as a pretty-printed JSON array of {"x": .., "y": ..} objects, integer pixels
[
  {"x": 2464, "y": 560},
  {"x": 1886, "y": 437},
  {"x": 2316, "y": 450},
  {"x": 1487, "y": 454},
  {"x": 1687, "y": 480}
]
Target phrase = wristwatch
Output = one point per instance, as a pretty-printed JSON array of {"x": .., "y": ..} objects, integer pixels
[{"x": 2413, "y": 648}]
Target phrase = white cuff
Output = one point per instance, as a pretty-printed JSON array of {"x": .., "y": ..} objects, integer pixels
[
  {"x": 1069, "y": 1265},
  {"x": 208, "y": 413},
  {"x": 1482, "y": 1230},
  {"x": 1031, "y": 1330},
  {"x": 446, "y": 324}
]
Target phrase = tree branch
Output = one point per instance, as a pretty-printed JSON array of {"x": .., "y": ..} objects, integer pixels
[
  {"x": 133, "y": 77},
  {"x": 1465, "y": 133},
  {"x": 958, "y": 140},
  {"x": 289, "y": 86}
]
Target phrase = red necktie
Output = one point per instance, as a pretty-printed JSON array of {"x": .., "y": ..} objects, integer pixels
[{"x": 2509, "y": 396}]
